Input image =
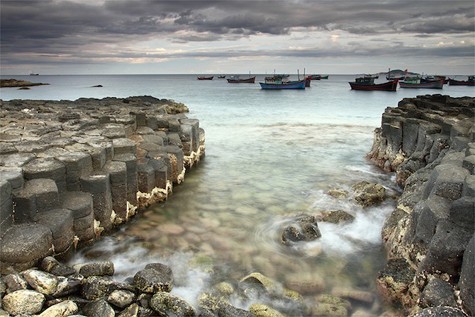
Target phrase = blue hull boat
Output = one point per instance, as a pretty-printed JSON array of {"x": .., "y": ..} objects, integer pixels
[{"x": 300, "y": 84}]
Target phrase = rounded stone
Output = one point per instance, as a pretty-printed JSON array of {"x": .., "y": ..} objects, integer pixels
[
  {"x": 25, "y": 302},
  {"x": 25, "y": 243}
]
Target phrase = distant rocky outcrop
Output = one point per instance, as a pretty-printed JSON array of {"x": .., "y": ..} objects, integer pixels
[
  {"x": 70, "y": 170},
  {"x": 18, "y": 83},
  {"x": 429, "y": 142}
]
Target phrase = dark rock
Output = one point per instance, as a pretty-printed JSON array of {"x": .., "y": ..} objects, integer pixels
[
  {"x": 446, "y": 249},
  {"x": 303, "y": 228},
  {"x": 155, "y": 277},
  {"x": 25, "y": 244},
  {"x": 96, "y": 269},
  {"x": 98, "y": 308},
  {"x": 466, "y": 282},
  {"x": 438, "y": 293},
  {"x": 167, "y": 304},
  {"x": 394, "y": 280}
]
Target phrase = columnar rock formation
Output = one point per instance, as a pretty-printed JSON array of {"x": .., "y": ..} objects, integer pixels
[
  {"x": 72, "y": 169},
  {"x": 429, "y": 142}
]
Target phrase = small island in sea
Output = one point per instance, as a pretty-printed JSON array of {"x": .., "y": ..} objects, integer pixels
[{"x": 16, "y": 83}]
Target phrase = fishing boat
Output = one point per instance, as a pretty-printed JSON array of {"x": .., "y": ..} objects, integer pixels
[
  {"x": 318, "y": 77},
  {"x": 469, "y": 82},
  {"x": 237, "y": 80},
  {"x": 205, "y": 77},
  {"x": 418, "y": 82},
  {"x": 277, "y": 82},
  {"x": 367, "y": 83}
]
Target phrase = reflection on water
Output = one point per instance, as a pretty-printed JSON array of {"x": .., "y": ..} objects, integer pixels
[{"x": 225, "y": 220}]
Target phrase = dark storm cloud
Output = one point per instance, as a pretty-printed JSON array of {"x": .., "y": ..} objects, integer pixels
[{"x": 60, "y": 27}]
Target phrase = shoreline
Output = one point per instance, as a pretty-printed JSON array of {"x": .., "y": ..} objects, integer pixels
[
  {"x": 71, "y": 170},
  {"x": 393, "y": 150}
]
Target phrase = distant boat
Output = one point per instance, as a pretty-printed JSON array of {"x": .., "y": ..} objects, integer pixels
[
  {"x": 277, "y": 82},
  {"x": 318, "y": 77},
  {"x": 205, "y": 77},
  {"x": 237, "y": 80},
  {"x": 418, "y": 82},
  {"x": 469, "y": 82},
  {"x": 367, "y": 83},
  {"x": 222, "y": 76},
  {"x": 34, "y": 74}
]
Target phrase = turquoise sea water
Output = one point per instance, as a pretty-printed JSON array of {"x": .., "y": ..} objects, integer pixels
[{"x": 270, "y": 155}]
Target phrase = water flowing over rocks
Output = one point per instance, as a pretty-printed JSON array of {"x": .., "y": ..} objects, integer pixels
[
  {"x": 429, "y": 142},
  {"x": 71, "y": 170}
]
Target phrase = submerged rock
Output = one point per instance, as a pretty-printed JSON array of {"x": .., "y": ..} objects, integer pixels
[
  {"x": 335, "y": 216},
  {"x": 303, "y": 228}
]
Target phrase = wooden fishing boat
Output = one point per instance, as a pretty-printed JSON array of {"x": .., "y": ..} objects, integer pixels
[
  {"x": 237, "y": 80},
  {"x": 366, "y": 83},
  {"x": 417, "y": 82},
  {"x": 205, "y": 77},
  {"x": 296, "y": 84},
  {"x": 318, "y": 77},
  {"x": 469, "y": 82}
]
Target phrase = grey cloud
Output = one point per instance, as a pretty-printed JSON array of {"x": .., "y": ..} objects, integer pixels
[{"x": 64, "y": 27}]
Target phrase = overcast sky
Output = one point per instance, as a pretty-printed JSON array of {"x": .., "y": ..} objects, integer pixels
[{"x": 236, "y": 36}]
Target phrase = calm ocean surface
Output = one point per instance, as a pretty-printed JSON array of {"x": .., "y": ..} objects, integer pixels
[{"x": 270, "y": 155}]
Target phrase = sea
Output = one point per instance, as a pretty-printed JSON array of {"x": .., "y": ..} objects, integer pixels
[{"x": 270, "y": 156}]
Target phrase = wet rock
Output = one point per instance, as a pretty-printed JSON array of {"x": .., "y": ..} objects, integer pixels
[
  {"x": 95, "y": 269},
  {"x": 98, "y": 308},
  {"x": 95, "y": 287},
  {"x": 368, "y": 194},
  {"x": 26, "y": 302},
  {"x": 23, "y": 245},
  {"x": 121, "y": 298},
  {"x": 154, "y": 277},
  {"x": 303, "y": 228},
  {"x": 167, "y": 304},
  {"x": 441, "y": 312},
  {"x": 338, "y": 193},
  {"x": 212, "y": 306},
  {"x": 42, "y": 282},
  {"x": 261, "y": 310},
  {"x": 53, "y": 266},
  {"x": 394, "y": 280},
  {"x": 327, "y": 305},
  {"x": 15, "y": 282},
  {"x": 335, "y": 216},
  {"x": 66, "y": 308},
  {"x": 467, "y": 272},
  {"x": 353, "y": 294},
  {"x": 438, "y": 293},
  {"x": 68, "y": 285},
  {"x": 131, "y": 311}
]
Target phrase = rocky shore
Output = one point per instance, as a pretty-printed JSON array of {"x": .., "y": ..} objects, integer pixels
[
  {"x": 429, "y": 142},
  {"x": 70, "y": 170}
]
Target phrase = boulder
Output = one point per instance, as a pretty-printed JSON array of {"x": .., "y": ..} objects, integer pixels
[
  {"x": 155, "y": 277},
  {"x": 23, "y": 302},
  {"x": 302, "y": 228},
  {"x": 438, "y": 293},
  {"x": 368, "y": 194},
  {"x": 167, "y": 304}
]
